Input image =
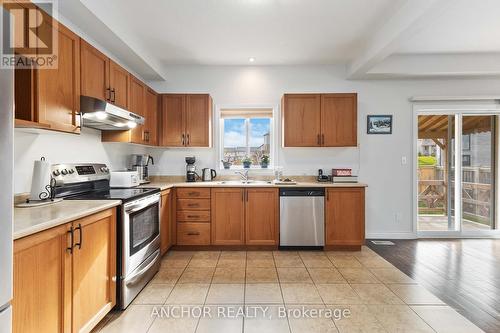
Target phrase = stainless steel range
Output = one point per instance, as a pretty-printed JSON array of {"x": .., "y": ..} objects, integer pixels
[{"x": 138, "y": 227}]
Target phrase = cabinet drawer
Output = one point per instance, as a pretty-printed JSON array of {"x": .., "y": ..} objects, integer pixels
[
  {"x": 193, "y": 234},
  {"x": 193, "y": 216},
  {"x": 193, "y": 204},
  {"x": 193, "y": 192}
]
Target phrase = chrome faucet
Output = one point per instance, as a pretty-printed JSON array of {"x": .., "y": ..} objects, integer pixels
[{"x": 243, "y": 175}]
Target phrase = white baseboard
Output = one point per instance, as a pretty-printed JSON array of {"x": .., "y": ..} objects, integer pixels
[{"x": 391, "y": 235}]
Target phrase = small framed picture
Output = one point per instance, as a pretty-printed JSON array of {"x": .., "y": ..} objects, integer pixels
[{"x": 379, "y": 124}]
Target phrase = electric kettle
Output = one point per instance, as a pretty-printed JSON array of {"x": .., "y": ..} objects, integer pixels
[{"x": 208, "y": 174}]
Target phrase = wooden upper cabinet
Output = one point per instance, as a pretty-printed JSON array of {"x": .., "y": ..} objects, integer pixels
[
  {"x": 42, "y": 282},
  {"x": 345, "y": 217},
  {"x": 94, "y": 72},
  {"x": 119, "y": 85},
  {"x": 59, "y": 89},
  {"x": 137, "y": 106},
  {"x": 319, "y": 120},
  {"x": 339, "y": 119},
  {"x": 172, "y": 120},
  {"x": 261, "y": 216},
  {"x": 228, "y": 216},
  {"x": 301, "y": 115},
  {"x": 151, "y": 128},
  {"x": 94, "y": 269},
  {"x": 186, "y": 120},
  {"x": 137, "y": 96},
  {"x": 55, "y": 93},
  {"x": 198, "y": 120}
]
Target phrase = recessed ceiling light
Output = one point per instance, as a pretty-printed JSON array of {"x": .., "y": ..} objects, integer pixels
[{"x": 251, "y": 59}]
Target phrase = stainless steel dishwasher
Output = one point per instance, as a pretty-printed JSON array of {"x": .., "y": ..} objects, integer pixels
[{"x": 302, "y": 217}]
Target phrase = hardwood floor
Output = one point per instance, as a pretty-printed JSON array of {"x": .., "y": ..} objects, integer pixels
[{"x": 465, "y": 274}]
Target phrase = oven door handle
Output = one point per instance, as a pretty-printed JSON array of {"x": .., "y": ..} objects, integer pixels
[
  {"x": 137, "y": 276},
  {"x": 132, "y": 208}
]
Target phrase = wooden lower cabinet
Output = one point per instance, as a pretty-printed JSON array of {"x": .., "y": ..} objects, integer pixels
[
  {"x": 193, "y": 233},
  {"x": 94, "y": 269},
  {"x": 345, "y": 217},
  {"x": 42, "y": 283},
  {"x": 65, "y": 287},
  {"x": 245, "y": 216},
  {"x": 228, "y": 216},
  {"x": 261, "y": 216},
  {"x": 165, "y": 221}
]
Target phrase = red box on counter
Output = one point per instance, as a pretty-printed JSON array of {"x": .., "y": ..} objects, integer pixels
[{"x": 341, "y": 172}]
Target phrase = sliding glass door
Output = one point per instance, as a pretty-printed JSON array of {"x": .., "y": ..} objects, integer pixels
[
  {"x": 435, "y": 150},
  {"x": 478, "y": 176},
  {"x": 456, "y": 154}
]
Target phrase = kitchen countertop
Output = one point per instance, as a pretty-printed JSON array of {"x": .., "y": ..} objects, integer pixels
[
  {"x": 163, "y": 185},
  {"x": 28, "y": 221}
]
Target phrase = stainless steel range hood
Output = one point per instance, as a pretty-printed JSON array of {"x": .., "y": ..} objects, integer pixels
[{"x": 102, "y": 115}]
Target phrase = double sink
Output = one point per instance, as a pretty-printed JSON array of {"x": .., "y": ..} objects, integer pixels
[{"x": 244, "y": 182}]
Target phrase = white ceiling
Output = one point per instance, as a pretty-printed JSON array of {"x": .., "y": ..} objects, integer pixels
[
  {"x": 374, "y": 38},
  {"x": 468, "y": 26},
  {"x": 229, "y": 32}
]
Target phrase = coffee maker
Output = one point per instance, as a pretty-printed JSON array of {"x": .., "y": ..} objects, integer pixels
[
  {"x": 191, "y": 169},
  {"x": 140, "y": 164}
]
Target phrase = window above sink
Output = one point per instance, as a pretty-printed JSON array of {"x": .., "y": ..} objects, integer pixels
[{"x": 247, "y": 138}]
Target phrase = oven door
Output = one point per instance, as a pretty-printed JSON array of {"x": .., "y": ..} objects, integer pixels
[{"x": 141, "y": 231}]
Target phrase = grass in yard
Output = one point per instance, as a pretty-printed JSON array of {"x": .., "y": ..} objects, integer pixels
[{"x": 427, "y": 161}]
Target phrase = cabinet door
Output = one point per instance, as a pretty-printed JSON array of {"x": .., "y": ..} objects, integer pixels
[
  {"x": 58, "y": 89},
  {"x": 261, "y": 216},
  {"x": 228, "y": 216},
  {"x": 151, "y": 133},
  {"x": 119, "y": 83},
  {"x": 94, "y": 72},
  {"x": 172, "y": 120},
  {"x": 345, "y": 216},
  {"x": 94, "y": 269},
  {"x": 138, "y": 106},
  {"x": 301, "y": 120},
  {"x": 198, "y": 120},
  {"x": 42, "y": 282},
  {"x": 339, "y": 119},
  {"x": 166, "y": 220}
]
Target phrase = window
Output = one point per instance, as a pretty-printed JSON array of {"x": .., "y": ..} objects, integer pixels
[
  {"x": 466, "y": 160},
  {"x": 246, "y": 138}
]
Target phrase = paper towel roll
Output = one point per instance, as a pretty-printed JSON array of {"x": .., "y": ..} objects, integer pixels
[{"x": 40, "y": 180}]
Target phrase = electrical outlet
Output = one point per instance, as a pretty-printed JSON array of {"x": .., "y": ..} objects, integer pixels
[
  {"x": 397, "y": 218},
  {"x": 403, "y": 160}
]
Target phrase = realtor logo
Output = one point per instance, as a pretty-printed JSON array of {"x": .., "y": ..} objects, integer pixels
[{"x": 29, "y": 34}]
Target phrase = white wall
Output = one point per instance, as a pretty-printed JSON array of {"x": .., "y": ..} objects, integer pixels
[
  {"x": 379, "y": 156},
  {"x": 65, "y": 148}
]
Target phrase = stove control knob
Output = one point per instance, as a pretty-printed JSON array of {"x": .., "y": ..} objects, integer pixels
[
  {"x": 64, "y": 172},
  {"x": 56, "y": 173},
  {"x": 71, "y": 171},
  {"x": 104, "y": 169}
]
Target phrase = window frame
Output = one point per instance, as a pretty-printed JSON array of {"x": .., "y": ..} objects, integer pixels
[{"x": 273, "y": 136}]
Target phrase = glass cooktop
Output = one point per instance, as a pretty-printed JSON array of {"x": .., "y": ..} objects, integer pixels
[{"x": 125, "y": 194}]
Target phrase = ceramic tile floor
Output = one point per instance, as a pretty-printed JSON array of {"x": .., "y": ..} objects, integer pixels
[{"x": 337, "y": 292}]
